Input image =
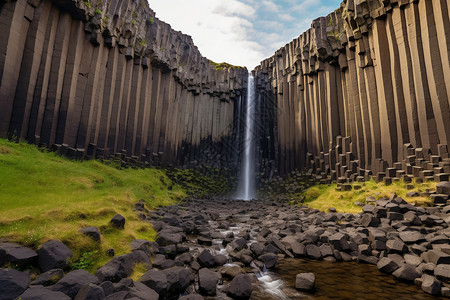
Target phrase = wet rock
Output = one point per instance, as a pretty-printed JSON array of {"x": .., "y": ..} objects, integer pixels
[
  {"x": 156, "y": 280},
  {"x": 313, "y": 251},
  {"x": 205, "y": 259},
  {"x": 73, "y": 282},
  {"x": 118, "y": 221},
  {"x": 48, "y": 278},
  {"x": 269, "y": 259},
  {"x": 386, "y": 265},
  {"x": 90, "y": 292},
  {"x": 220, "y": 260},
  {"x": 240, "y": 287},
  {"x": 53, "y": 255},
  {"x": 207, "y": 281},
  {"x": 12, "y": 283},
  {"x": 430, "y": 285},
  {"x": 230, "y": 272},
  {"x": 246, "y": 259},
  {"x": 41, "y": 293},
  {"x": 202, "y": 240},
  {"x": 91, "y": 232},
  {"x": 305, "y": 282},
  {"x": 178, "y": 279},
  {"x": 406, "y": 273},
  {"x": 18, "y": 255}
]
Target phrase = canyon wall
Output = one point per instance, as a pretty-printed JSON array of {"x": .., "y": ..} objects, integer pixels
[
  {"x": 365, "y": 91},
  {"x": 104, "y": 78}
]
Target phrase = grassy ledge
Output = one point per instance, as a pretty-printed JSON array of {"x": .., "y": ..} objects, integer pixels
[
  {"x": 224, "y": 65},
  {"x": 323, "y": 197},
  {"x": 44, "y": 196}
]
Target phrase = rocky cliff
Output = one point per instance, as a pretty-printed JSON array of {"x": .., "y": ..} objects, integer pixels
[
  {"x": 101, "y": 78},
  {"x": 365, "y": 90}
]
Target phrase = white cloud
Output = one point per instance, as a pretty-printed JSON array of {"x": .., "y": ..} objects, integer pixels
[
  {"x": 221, "y": 29},
  {"x": 270, "y": 5}
]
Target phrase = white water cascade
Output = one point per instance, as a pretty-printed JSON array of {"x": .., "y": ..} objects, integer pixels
[{"x": 246, "y": 189}]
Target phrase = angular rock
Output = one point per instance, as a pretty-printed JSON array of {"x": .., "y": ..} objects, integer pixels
[
  {"x": 386, "y": 265},
  {"x": 12, "y": 283},
  {"x": 53, "y": 255},
  {"x": 240, "y": 287},
  {"x": 48, "y": 278},
  {"x": 39, "y": 292},
  {"x": 207, "y": 281},
  {"x": 166, "y": 238},
  {"x": 305, "y": 282},
  {"x": 442, "y": 272},
  {"x": 178, "y": 279},
  {"x": 156, "y": 280},
  {"x": 90, "y": 292},
  {"x": 436, "y": 257},
  {"x": 73, "y": 282},
  {"x": 220, "y": 260},
  {"x": 121, "y": 266},
  {"x": 118, "y": 221},
  {"x": 205, "y": 259},
  {"x": 430, "y": 285},
  {"x": 411, "y": 237},
  {"x": 91, "y": 232},
  {"x": 269, "y": 259},
  {"x": 443, "y": 188},
  {"x": 313, "y": 251},
  {"x": 396, "y": 246},
  {"x": 192, "y": 297},
  {"x": 257, "y": 248},
  {"x": 298, "y": 249},
  {"x": 18, "y": 255},
  {"x": 406, "y": 273},
  {"x": 368, "y": 220}
]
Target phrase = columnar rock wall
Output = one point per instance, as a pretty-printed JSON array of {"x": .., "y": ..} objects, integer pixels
[
  {"x": 365, "y": 90},
  {"x": 101, "y": 78}
]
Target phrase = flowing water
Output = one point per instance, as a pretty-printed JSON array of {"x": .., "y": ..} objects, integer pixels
[{"x": 246, "y": 190}]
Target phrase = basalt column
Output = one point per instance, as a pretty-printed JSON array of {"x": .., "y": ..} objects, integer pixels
[
  {"x": 107, "y": 78},
  {"x": 365, "y": 91}
]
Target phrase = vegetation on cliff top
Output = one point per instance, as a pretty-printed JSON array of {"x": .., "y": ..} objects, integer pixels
[
  {"x": 44, "y": 196},
  {"x": 224, "y": 65}
]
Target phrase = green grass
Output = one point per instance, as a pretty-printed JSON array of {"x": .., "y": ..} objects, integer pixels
[
  {"x": 323, "y": 197},
  {"x": 224, "y": 65},
  {"x": 44, "y": 196}
]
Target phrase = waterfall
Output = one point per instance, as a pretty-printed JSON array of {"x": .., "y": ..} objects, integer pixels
[{"x": 246, "y": 190}]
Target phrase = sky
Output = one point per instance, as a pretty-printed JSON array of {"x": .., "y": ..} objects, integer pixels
[{"x": 241, "y": 32}]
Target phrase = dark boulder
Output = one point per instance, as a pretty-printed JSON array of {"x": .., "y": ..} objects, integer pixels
[
  {"x": 178, "y": 279},
  {"x": 118, "y": 221},
  {"x": 442, "y": 272},
  {"x": 18, "y": 255},
  {"x": 240, "y": 287},
  {"x": 49, "y": 278},
  {"x": 430, "y": 285},
  {"x": 73, "y": 282},
  {"x": 313, "y": 251},
  {"x": 305, "y": 282},
  {"x": 39, "y": 292},
  {"x": 156, "y": 280},
  {"x": 220, "y": 260},
  {"x": 91, "y": 232},
  {"x": 54, "y": 255},
  {"x": 406, "y": 273},
  {"x": 121, "y": 266},
  {"x": 12, "y": 283},
  {"x": 269, "y": 259},
  {"x": 90, "y": 292},
  {"x": 387, "y": 265},
  {"x": 207, "y": 281},
  {"x": 443, "y": 188},
  {"x": 205, "y": 259}
]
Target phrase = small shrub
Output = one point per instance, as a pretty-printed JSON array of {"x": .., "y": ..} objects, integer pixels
[
  {"x": 86, "y": 261},
  {"x": 88, "y": 4},
  {"x": 98, "y": 12},
  {"x": 151, "y": 20}
]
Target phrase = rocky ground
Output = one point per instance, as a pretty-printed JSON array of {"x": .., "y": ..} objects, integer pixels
[{"x": 217, "y": 249}]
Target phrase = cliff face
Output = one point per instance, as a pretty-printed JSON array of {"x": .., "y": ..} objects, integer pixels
[
  {"x": 365, "y": 90},
  {"x": 101, "y": 78}
]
